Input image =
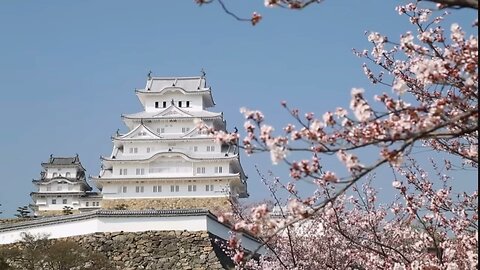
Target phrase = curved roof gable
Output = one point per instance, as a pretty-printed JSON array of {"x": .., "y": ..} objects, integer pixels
[
  {"x": 172, "y": 154},
  {"x": 173, "y": 111},
  {"x": 139, "y": 132}
]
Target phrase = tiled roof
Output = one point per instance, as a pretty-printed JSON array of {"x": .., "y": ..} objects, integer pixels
[
  {"x": 63, "y": 161},
  {"x": 57, "y": 193},
  {"x": 206, "y": 157},
  {"x": 156, "y": 84},
  {"x": 60, "y": 178},
  {"x": 147, "y": 115}
]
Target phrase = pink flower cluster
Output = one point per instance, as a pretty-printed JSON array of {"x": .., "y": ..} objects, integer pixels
[{"x": 428, "y": 225}]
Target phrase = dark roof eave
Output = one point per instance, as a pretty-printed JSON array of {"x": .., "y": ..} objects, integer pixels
[
  {"x": 213, "y": 117},
  {"x": 233, "y": 157}
]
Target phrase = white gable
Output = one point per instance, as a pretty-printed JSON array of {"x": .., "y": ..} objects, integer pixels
[
  {"x": 173, "y": 111},
  {"x": 140, "y": 132}
]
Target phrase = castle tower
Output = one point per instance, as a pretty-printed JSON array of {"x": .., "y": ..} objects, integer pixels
[
  {"x": 165, "y": 161},
  {"x": 62, "y": 185}
]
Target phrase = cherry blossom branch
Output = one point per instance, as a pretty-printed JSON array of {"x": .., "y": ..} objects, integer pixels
[{"x": 457, "y": 3}]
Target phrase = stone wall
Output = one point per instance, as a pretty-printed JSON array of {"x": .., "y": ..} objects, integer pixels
[
  {"x": 157, "y": 250},
  {"x": 212, "y": 204},
  {"x": 54, "y": 213},
  {"x": 12, "y": 220}
]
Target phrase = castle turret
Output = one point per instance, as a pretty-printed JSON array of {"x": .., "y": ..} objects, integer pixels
[{"x": 62, "y": 185}]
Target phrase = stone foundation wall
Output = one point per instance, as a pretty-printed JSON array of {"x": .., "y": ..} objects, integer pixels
[
  {"x": 12, "y": 220},
  {"x": 54, "y": 213},
  {"x": 157, "y": 250},
  {"x": 213, "y": 204}
]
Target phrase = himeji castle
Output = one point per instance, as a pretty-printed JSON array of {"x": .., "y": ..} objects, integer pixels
[
  {"x": 62, "y": 184},
  {"x": 165, "y": 160},
  {"x": 166, "y": 174}
]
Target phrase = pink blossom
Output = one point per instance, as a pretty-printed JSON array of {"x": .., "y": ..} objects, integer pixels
[
  {"x": 400, "y": 86},
  {"x": 396, "y": 184},
  {"x": 360, "y": 107}
]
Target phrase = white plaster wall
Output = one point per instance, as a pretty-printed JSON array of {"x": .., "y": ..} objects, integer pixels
[
  {"x": 91, "y": 201},
  {"x": 178, "y": 127},
  {"x": 139, "y": 224},
  {"x": 62, "y": 172},
  {"x": 195, "y": 101},
  {"x": 72, "y": 201},
  {"x": 163, "y": 146},
  {"x": 110, "y": 191},
  {"x": 171, "y": 167},
  {"x": 172, "y": 127},
  {"x": 64, "y": 187},
  {"x": 109, "y": 224},
  {"x": 54, "y": 230},
  {"x": 45, "y": 204}
]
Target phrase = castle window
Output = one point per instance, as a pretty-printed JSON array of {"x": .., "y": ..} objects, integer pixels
[
  {"x": 135, "y": 150},
  {"x": 156, "y": 104},
  {"x": 195, "y": 148},
  {"x": 179, "y": 104},
  {"x": 174, "y": 188},
  {"x": 188, "y": 103},
  {"x": 86, "y": 204},
  {"x": 123, "y": 171},
  {"x": 139, "y": 189},
  {"x": 157, "y": 188},
  {"x": 124, "y": 189},
  {"x": 140, "y": 171},
  {"x": 192, "y": 188},
  {"x": 201, "y": 170},
  {"x": 64, "y": 201},
  {"x": 67, "y": 174},
  {"x": 211, "y": 148},
  {"x": 218, "y": 169},
  {"x": 164, "y": 104},
  {"x": 148, "y": 149},
  {"x": 54, "y": 201},
  {"x": 208, "y": 187},
  {"x": 185, "y": 129}
]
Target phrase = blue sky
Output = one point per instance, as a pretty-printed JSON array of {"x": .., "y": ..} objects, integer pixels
[{"x": 68, "y": 69}]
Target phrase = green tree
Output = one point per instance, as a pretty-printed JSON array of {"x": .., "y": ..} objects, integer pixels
[
  {"x": 37, "y": 252},
  {"x": 121, "y": 207},
  {"x": 67, "y": 210},
  {"x": 23, "y": 212}
]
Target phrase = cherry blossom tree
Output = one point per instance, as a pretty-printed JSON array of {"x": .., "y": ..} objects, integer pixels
[
  {"x": 432, "y": 104},
  {"x": 302, "y": 4}
]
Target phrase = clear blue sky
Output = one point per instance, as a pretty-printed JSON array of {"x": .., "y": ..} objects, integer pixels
[{"x": 68, "y": 69}]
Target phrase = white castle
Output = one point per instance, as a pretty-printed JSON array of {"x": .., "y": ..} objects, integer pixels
[
  {"x": 164, "y": 174},
  {"x": 62, "y": 185},
  {"x": 164, "y": 161}
]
